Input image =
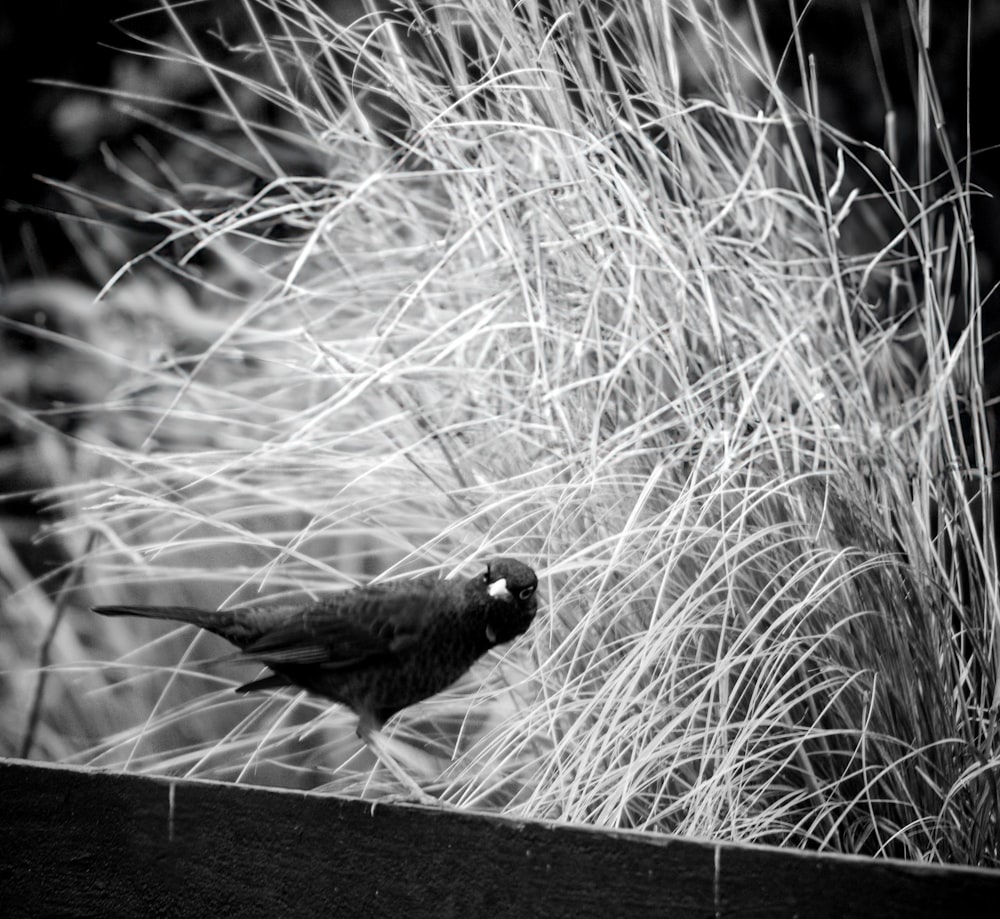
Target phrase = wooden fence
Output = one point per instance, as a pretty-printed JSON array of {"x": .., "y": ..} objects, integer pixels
[{"x": 79, "y": 842}]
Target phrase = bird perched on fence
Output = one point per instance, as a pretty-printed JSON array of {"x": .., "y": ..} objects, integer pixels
[{"x": 377, "y": 648}]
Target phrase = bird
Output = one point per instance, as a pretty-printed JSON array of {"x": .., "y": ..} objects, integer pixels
[{"x": 377, "y": 648}]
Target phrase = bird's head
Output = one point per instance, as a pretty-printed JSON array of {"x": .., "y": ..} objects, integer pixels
[{"x": 511, "y": 589}]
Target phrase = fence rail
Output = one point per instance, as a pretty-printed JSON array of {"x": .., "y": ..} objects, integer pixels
[{"x": 79, "y": 842}]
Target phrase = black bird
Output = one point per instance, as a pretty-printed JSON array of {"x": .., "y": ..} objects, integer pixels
[{"x": 378, "y": 648}]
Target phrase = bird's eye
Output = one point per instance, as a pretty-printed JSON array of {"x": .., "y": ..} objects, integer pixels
[{"x": 527, "y": 592}]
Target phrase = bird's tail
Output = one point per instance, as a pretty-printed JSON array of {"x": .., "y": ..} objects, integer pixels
[{"x": 223, "y": 622}]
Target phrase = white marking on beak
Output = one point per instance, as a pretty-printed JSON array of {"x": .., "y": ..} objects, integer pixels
[
  {"x": 498, "y": 590},
  {"x": 491, "y": 636}
]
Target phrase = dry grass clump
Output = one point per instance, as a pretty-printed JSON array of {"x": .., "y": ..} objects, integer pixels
[{"x": 557, "y": 288}]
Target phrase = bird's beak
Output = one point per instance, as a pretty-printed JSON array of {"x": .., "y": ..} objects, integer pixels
[{"x": 498, "y": 590}]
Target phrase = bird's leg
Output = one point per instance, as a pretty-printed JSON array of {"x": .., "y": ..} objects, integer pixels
[{"x": 372, "y": 738}]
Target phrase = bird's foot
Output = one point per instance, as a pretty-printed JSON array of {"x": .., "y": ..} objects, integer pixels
[{"x": 414, "y": 793}]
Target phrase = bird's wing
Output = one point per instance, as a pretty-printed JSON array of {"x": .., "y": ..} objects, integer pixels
[{"x": 340, "y": 633}]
